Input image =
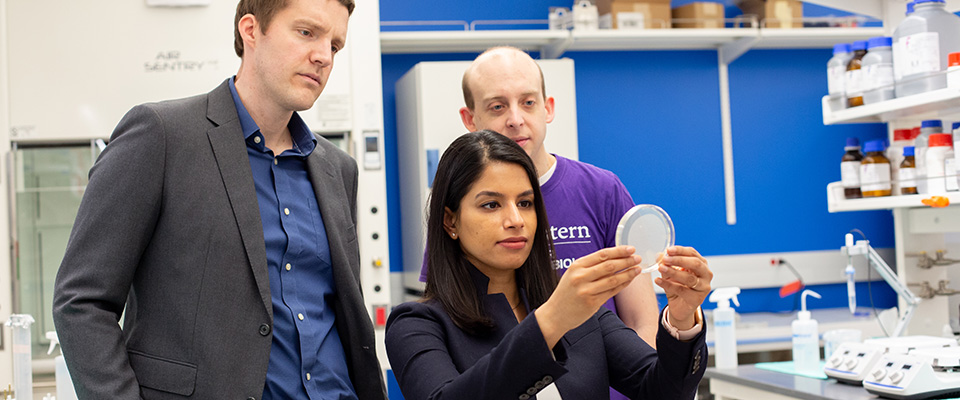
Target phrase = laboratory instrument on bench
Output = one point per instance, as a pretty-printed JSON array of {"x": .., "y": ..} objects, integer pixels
[
  {"x": 922, "y": 374},
  {"x": 852, "y": 362},
  {"x": 862, "y": 247},
  {"x": 649, "y": 229}
]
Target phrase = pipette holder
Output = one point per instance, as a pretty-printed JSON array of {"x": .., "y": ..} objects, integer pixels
[{"x": 862, "y": 247}]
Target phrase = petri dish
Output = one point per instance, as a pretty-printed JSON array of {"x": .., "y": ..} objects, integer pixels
[{"x": 649, "y": 229}]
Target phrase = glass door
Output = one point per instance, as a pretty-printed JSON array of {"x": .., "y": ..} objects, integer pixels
[{"x": 48, "y": 182}]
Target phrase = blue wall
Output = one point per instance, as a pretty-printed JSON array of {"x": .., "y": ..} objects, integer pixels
[{"x": 653, "y": 117}]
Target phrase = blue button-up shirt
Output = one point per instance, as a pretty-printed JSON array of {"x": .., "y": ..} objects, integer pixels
[{"x": 306, "y": 358}]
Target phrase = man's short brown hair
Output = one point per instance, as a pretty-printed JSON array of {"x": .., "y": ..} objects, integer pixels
[{"x": 264, "y": 10}]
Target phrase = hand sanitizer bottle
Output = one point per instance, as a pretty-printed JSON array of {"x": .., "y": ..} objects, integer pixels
[
  {"x": 806, "y": 339},
  {"x": 724, "y": 327}
]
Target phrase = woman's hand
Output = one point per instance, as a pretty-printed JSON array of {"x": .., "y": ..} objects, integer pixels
[
  {"x": 685, "y": 278},
  {"x": 588, "y": 283}
]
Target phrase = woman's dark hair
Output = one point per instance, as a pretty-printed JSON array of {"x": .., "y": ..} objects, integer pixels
[{"x": 448, "y": 275}]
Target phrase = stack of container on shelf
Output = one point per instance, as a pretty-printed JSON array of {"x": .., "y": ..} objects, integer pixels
[
  {"x": 914, "y": 61},
  {"x": 919, "y": 161}
]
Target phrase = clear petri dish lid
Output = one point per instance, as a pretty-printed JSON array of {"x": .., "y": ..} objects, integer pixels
[{"x": 649, "y": 229}]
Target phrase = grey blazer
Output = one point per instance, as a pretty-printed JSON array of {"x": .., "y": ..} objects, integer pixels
[{"x": 169, "y": 226}]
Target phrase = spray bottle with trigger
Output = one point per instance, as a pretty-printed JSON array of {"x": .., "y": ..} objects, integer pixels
[
  {"x": 65, "y": 390},
  {"x": 806, "y": 339},
  {"x": 725, "y": 334}
]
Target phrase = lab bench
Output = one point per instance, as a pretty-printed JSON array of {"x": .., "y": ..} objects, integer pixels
[{"x": 750, "y": 382}]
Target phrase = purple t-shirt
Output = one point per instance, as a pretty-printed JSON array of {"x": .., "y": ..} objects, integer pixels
[{"x": 584, "y": 204}]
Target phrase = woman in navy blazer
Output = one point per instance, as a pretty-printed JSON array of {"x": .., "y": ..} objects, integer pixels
[{"x": 495, "y": 322}]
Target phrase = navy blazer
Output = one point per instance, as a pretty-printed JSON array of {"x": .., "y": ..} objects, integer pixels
[{"x": 434, "y": 359}]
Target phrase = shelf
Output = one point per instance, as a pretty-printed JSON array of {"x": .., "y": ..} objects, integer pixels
[
  {"x": 416, "y": 42},
  {"x": 837, "y": 203},
  {"x": 813, "y": 38},
  {"x": 942, "y": 102},
  {"x": 555, "y": 42}
]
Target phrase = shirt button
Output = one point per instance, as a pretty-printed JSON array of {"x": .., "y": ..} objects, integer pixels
[
  {"x": 264, "y": 329},
  {"x": 256, "y": 139},
  {"x": 274, "y": 161},
  {"x": 286, "y": 211},
  {"x": 288, "y": 266},
  {"x": 308, "y": 376},
  {"x": 300, "y": 316}
]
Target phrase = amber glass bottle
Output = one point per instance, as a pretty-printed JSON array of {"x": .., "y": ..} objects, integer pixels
[
  {"x": 854, "y": 79},
  {"x": 874, "y": 170},
  {"x": 908, "y": 172},
  {"x": 850, "y": 169}
]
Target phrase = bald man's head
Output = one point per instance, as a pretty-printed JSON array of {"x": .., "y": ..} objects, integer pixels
[{"x": 500, "y": 59}]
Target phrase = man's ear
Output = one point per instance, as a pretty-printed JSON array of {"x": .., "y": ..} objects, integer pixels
[
  {"x": 466, "y": 115},
  {"x": 548, "y": 104},
  {"x": 450, "y": 222},
  {"x": 249, "y": 29}
]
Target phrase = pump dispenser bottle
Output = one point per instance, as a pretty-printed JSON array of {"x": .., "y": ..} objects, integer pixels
[
  {"x": 65, "y": 389},
  {"x": 724, "y": 326},
  {"x": 806, "y": 339}
]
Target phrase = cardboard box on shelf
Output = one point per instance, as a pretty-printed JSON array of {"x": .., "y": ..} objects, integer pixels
[
  {"x": 634, "y": 14},
  {"x": 774, "y": 13},
  {"x": 700, "y": 14}
]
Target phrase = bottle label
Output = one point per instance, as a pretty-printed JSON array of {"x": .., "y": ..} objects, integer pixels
[
  {"x": 879, "y": 76},
  {"x": 835, "y": 79},
  {"x": 854, "y": 83},
  {"x": 950, "y": 167},
  {"x": 918, "y": 53},
  {"x": 908, "y": 177},
  {"x": 874, "y": 177},
  {"x": 850, "y": 174}
]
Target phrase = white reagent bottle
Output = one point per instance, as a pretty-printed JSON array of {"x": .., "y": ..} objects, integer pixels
[
  {"x": 724, "y": 326},
  {"x": 806, "y": 339}
]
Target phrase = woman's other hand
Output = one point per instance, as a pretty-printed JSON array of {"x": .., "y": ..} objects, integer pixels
[{"x": 685, "y": 278}]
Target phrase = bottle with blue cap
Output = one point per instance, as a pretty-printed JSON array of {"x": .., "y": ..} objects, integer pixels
[
  {"x": 908, "y": 172},
  {"x": 806, "y": 338},
  {"x": 922, "y": 43},
  {"x": 837, "y": 68},
  {"x": 853, "y": 80},
  {"x": 875, "y": 170},
  {"x": 850, "y": 169},
  {"x": 878, "y": 71}
]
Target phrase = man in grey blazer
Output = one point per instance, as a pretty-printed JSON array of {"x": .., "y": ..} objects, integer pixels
[{"x": 226, "y": 231}]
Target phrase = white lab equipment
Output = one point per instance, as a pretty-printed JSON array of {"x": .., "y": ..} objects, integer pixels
[
  {"x": 806, "y": 338},
  {"x": 724, "y": 326},
  {"x": 922, "y": 374},
  {"x": 585, "y": 16},
  {"x": 862, "y": 247},
  {"x": 851, "y": 362},
  {"x": 650, "y": 231},
  {"x": 22, "y": 358},
  {"x": 65, "y": 389},
  {"x": 850, "y": 273},
  {"x": 428, "y": 99}
]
